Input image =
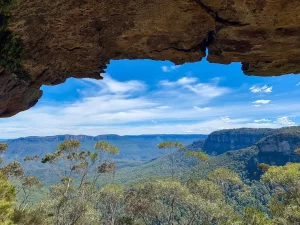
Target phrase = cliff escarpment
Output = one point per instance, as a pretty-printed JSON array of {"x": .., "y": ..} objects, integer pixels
[
  {"x": 285, "y": 143},
  {"x": 222, "y": 141},
  {"x": 78, "y": 38}
]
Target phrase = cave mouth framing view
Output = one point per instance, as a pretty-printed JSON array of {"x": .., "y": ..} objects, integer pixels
[
  {"x": 132, "y": 112},
  {"x": 197, "y": 143}
]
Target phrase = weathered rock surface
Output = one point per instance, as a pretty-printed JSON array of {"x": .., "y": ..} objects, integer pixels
[
  {"x": 285, "y": 143},
  {"x": 77, "y": 38},
  {"x": 222, "y": 141}
]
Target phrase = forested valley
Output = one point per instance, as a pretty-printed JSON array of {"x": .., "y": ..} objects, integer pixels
[{"x": 239, "y": 176}]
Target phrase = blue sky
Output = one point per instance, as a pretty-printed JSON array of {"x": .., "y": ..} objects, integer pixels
[{"x": 149, "y": 97}]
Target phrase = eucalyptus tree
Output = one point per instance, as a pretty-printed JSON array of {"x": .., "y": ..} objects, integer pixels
[
  {"x": 170, "y": 147},
  {"x": 156, "y": 202},
  {"x": 25, "y": 185},
  {"x": 206, "y": 204},
  {"x": 252, "y": 216},
  {"x": 168, "y": 202},
  {"x": 7, "y": 198},
  {"x": 200, "y": 156},
  {"x": 111, "y": 200},
  {"x": 226, "y": 179},
  {"x": 3, "y": 148},
  {"x": 74, "y": 199}
]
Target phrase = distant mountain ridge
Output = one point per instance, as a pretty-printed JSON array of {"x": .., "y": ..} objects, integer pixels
[
  {"x": 275, "y": 147},
  {"x": 132, "y": 147},
  {"x": 99, "y": 137},
  {"x": 140, "y": 157}
]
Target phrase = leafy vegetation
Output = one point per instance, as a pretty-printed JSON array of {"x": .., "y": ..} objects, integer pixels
[
  {"x": 7, "y": 198},
  {"x": 185, "y": 186}
]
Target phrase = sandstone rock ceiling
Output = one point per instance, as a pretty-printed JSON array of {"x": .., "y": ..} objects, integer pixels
[{"x": 77, "y": 38}]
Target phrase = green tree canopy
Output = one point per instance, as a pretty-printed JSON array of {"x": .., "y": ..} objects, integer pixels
[
  {"x": 285, "y": 203},
  {"x": 7, "y": 198}
]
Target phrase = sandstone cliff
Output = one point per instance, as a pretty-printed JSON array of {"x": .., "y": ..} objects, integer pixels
[{"x": 222, "y": 141}]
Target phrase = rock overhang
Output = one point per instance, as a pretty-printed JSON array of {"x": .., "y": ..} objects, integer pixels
[{"x": 78, "y": 38}]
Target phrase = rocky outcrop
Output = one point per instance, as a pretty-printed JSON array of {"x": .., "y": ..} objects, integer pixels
[
  {"x": 285, "y": 143},
  {"x": 222, "y": 141},
  {"x": 16, "y": 95},
  {"x": 77, "y": 38}
]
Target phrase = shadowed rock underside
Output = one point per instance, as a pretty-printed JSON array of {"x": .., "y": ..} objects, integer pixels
[{"x": 77, "y": 38}]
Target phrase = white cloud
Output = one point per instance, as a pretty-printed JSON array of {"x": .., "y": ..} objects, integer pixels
[
  {"x": 209, "y": 90},
  {"x": 262, "y": 121},
  {"x": 202, "y": 109},
  {"x": 111, "y": 106},
  {"x": 180, "y": 82},
  {"x": 298, "y": 84},
  {"x": 261, "y": 102},
  {"x": 285, "y": 121},
  {"x": 263, "y": 89},
  {"x": 168, "y": 69},
  {"x": 109, "y": 85},
  {"x": 226, "y": 119},
  {"x": 163, "y": 107}
]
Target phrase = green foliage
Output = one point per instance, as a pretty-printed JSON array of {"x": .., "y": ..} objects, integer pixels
[
  {"x": 206, "y": 189},
  {"x": 168, "y": 201},
  {"x": 105, "y": 146},
  {"x": 13, "y": 170},
  {"x": 68, "y": 145},
  {"x": 111, "y": 199},
  {"x": 170, "y": 144},
  {"x": 253, "y": 216},
  {"x": 11, "y": 50},
  {"x": 285, "y": 204},
  {"x": 283, "y": 175},
  {"x": 7, "y": 198},
  {"x": 217, "y": 195},
  {"x": 33, "y": 158},
  {"x": 199, "y": 155},
  {"x": 170, "y": 147},
  {"x": 76, "y": 199},
  {"x": 223, "y": 176},
  {"x": 3, "y": 148}
]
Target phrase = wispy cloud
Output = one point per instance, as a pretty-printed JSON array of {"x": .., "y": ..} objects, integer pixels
[
  {"x": 225, "y": 119},
  {"x": 210, "y": 90},
  {"x": 262, "y": 89},
  {"x": 298, "y": 84},
  {"x": 202, "y": 109},
  {"x": 285, "y": 121},
  {"x": 262, "y": 121},
  {"x": 260, "y": 102},
  {"x": 182, "y": 105},
  {"x": 109, "y": 85},
  {"x": 180, "y": 82},
  {"x": 168, "y": 69}
]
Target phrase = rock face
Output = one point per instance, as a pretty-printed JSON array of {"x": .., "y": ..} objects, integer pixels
[
  {"x": 222, "y": 141},
  {"x": 16, "y": 95},
  {"x": 285, "y": 143},
  {"x": 77, "y": 38},
  {"x": 283, "y": 140}
]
